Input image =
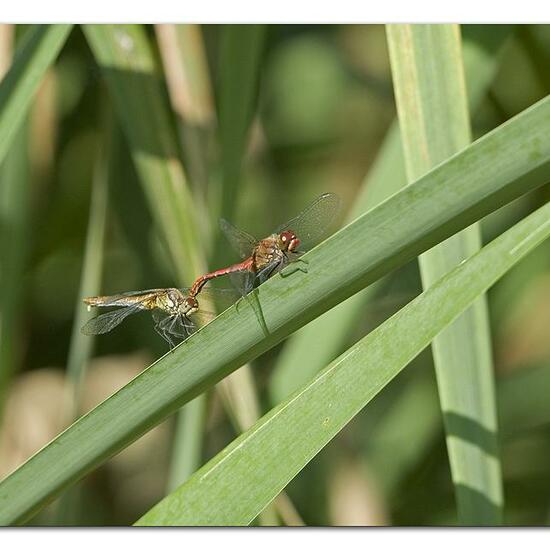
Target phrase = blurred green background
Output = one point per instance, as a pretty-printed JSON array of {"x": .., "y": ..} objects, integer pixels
[{"x": 322, "y": 104}]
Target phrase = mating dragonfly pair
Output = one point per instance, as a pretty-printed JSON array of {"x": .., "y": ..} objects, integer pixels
[{"x": 176, "y": 311}]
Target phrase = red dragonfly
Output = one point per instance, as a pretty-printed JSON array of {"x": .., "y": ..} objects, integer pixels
[
  {"x": 265, "y": 257},
  {"x": 172, "y": 310}
]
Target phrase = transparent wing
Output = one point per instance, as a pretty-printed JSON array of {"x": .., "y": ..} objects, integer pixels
[
  {"x": 243, "y": 281},
  {"x": 241, "y": 241},
  {"x": 314, "y": 223},
  {"x": 108, "y": 321},
  {"x": 106, "y": 301},
  {"x": 221, "y": 298}
]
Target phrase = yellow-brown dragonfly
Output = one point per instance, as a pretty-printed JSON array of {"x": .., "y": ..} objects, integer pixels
[{"x": 172, "y": 310}]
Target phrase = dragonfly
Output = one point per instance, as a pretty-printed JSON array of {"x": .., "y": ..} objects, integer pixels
[
  {"x": 174, "y": 311},
  {"x": 263, "y": 258}
]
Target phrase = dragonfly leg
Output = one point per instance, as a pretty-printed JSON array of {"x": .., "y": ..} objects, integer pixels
[
  {"x": 181, "y": 327},
  {"x": 296, "y": 263},
  {"x": 161, "y": 328}
]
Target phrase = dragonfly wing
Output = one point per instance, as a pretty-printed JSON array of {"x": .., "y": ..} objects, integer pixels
[
  {"x": 241, "y": 241},
  {"x": 313, "y": 223},
  {"x": 222, "y": 298},
  {"x": 108, "y": 321},
  {"x": 107, "y": 301},
  {"x": 243, "y": 281},
  {"x": 270, "y": 269}
]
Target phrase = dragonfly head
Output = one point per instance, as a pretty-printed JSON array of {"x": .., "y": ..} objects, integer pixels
[
  {"x": 288, "y": 241},
  {"x": 190, "y": 305}
]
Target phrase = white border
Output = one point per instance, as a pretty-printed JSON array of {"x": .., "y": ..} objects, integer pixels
[
  {"x": 271, "y": 538},
  {"x": 279, "y": 11}
]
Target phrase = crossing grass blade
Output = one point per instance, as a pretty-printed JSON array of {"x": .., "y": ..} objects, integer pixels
[
  {"x": 36, "y": 53},
  {"x": 430, "y": 90},
  {"x": 506, "y": 163},
  {"x": 232, "y": 489},
  {"x": 319, "y": 342}
]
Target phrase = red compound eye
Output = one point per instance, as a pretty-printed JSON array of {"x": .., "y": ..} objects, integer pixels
[{"x": 289, "y": 241}]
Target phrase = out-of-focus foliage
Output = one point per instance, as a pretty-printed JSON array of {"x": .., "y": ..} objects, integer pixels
[{"x": 324, "y": 104}]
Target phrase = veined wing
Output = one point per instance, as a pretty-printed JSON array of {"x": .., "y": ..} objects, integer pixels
[
  {"x": 241, "y": 241},
  {"x": 123, "y": 299},
  {"x": 108, "y": 321},
  {"x": 314, "y": 223},
  {"x": 222, "y": 298}
]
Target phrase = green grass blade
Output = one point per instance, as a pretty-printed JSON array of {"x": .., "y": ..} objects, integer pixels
[
  {"x": 81, "y": 345},
  {"x": 504, "y": 164},
  {"x": 187, "y": 73},
  {"x": 431, "y": 99},
  {"x": 14, "y": 247},
  {"x": 240, "y": 50},
  {"x": 185, "y": 64},
  {"x": 320, "y": 341},
  {"x": 80, "y": 348},
  {"x": 37, "y": 52},
  {"x": 232, "y": 488},
  {"x": 415, "y": 413},
  {"x": 126, "y": 58},
  {"x": 187, "y": 442}
]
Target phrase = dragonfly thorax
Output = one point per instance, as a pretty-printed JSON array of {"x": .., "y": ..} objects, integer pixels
[
  {"x": 267, "y": 252},
  {"x": 171, "y": 301}
]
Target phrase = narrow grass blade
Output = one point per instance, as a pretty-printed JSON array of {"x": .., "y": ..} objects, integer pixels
[
  {"x": 14, "y": 214},
  {"x": 187, "y": 73},
  {"x": 37, "y": 52},
  {"x": 320, "y": 341},
  {"x": 188, "y": 79},
  {"x": 80, "y": 348},
  {"x": 239, "y": 65},
  {"x": 187, "y": 442},
  {"x": 431, "y": 100},
  {"x": 232, "y": 489},
  {"x": 415, "y": 413},
  {"x": 14, "y": 250},
  {"x": 81, "y": 345},
  {"x": 126, "y": 58},
  {"x": 506, "y": 163}
]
